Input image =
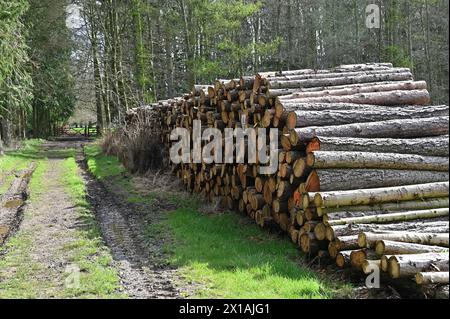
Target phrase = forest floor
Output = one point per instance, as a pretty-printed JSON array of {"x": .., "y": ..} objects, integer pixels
[{"x": 91, "y": 230}]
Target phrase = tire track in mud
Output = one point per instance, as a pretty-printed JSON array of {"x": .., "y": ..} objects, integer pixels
[{"x": 140, "y": 275}]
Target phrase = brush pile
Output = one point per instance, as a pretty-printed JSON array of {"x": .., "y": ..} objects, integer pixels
[{"x": 363, "y": 176}]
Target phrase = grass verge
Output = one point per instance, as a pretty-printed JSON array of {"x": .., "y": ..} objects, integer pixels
[{"x": 225, "y": 255}]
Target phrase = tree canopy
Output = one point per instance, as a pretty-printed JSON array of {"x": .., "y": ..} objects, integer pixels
[{"x": 121, "y": 54}]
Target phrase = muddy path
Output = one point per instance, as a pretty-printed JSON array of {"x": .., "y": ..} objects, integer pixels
[
  {"x": 142, "y": 274},
  {"x": 53, "y": 222}
]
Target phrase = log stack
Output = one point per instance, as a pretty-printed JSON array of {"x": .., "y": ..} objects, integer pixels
[{"x": 363, "y": 156}]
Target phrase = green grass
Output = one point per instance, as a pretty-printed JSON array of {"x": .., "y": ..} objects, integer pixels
[
  {"x": 102, "y": 166},
  {"x": 232, "y": 259},
  {"x": 225, "y": 256}
]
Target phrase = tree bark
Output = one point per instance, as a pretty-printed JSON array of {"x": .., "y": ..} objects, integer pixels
[
  {"x": 333, "y": 232},
  {"x": 410, "y": 128},
  {"x": 387, "y": 247},
  {"x": 365, "y": 160},
  {"x": 357, "y": 89},
  {"x": 381, "y": 195},
  {"x": 368, "y": 240},
  {"x": 343, "y": 259},
  {"x": 409, "y": 265},
  {"x": 391, "y": 98},
  {"x": 289, "y": 94},
  {"x": 301, "y": 119},
  {"x": 330, "y": 76},
  {"x": 390, "y": 218},
  {"x": 434, "y": 146},
  {"x": 354, "y": 211},
  {"x": 432, "y": 278},
  {"x": 341, "y": 244},
  {"x": 352, "y": 179},
  {"x": 341, "y": 81}
]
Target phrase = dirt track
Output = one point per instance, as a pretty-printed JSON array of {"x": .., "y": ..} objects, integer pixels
[
  {"x": 51, "y": 222},
  {"x": 142, "y": 276}
]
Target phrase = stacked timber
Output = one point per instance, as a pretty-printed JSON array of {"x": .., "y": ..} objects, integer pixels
[{"x": 363, "y": 154}]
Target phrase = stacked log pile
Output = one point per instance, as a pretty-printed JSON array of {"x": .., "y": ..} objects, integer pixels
[{"x": 363, "y": 163}]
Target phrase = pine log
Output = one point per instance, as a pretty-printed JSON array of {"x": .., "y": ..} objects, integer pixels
[
  {"x": 368, "y": 240},
  {"x": 343, "y": 243},
  {"x": 433, "y": 146},
  {"x": 351, "y": 90},
  {"x": 366, "y": 160},
  {"x": 291, "y": 94},
  {"x": 343, "y": 259},
  {"x": 369, "y": 265},
  {"x": 409, "y": 265},
  {"x": 432, "y": 278},
  {"x": 320, "y": 231},
  {"x": 359, "y": 257},
  {"x": 381, "y": 195},
  {"x": 300, "y": 119},
  {"x": 383, "y": 247},
  {"x": 347, "y": 243},
  {"x": 357, "y": 211},
  {"x": 292, "y": 109},
  {"x": 309, "y": 244},
  {"x": 392, "y": 98},
  {"x": 332, "y": 75},
  {"x": 341, "y": 81},
  {"x": 385, "y": 262},
  {"x": 395, "y": 217},
  {"x": 348, "y": 179},
  {"x": 441, "y": 227},
  {"x": 414, "y": 128},
  {"x": 344, "y": 68}
]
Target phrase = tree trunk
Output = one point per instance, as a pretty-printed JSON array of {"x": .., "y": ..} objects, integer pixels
[
  {"x": 414, "y": 97},
  {"x": 365, "y": 160},
  {"x": 343, "y": 259},
  {"x": 432, "y": 278},
  {"x": 362, "y": 211},
  {"x": 368, "y": 240},
  {"x": 434, "y": 146},
  {"x": 341, "y": 81},
  {"x": 291, "y": 94},
  {"x": 414, "y": 128},
  {"x": 343, "y": 243},
  {"x": 410, "y": 265},
  {"x": 378, "y": 209},
  {"x": 333, "y": 232},
  {"x": 382, "y": 195},
  {"x": 333, "y": 76},
  {"x": 369, "y": 265},
  {"x": 386, "y": 247},
  {"x": 390, "y": 218},
  {"x": 352, "y": 179},
  {"x": 300, "y": 119},
  {"x": 356, "y": 89}
]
